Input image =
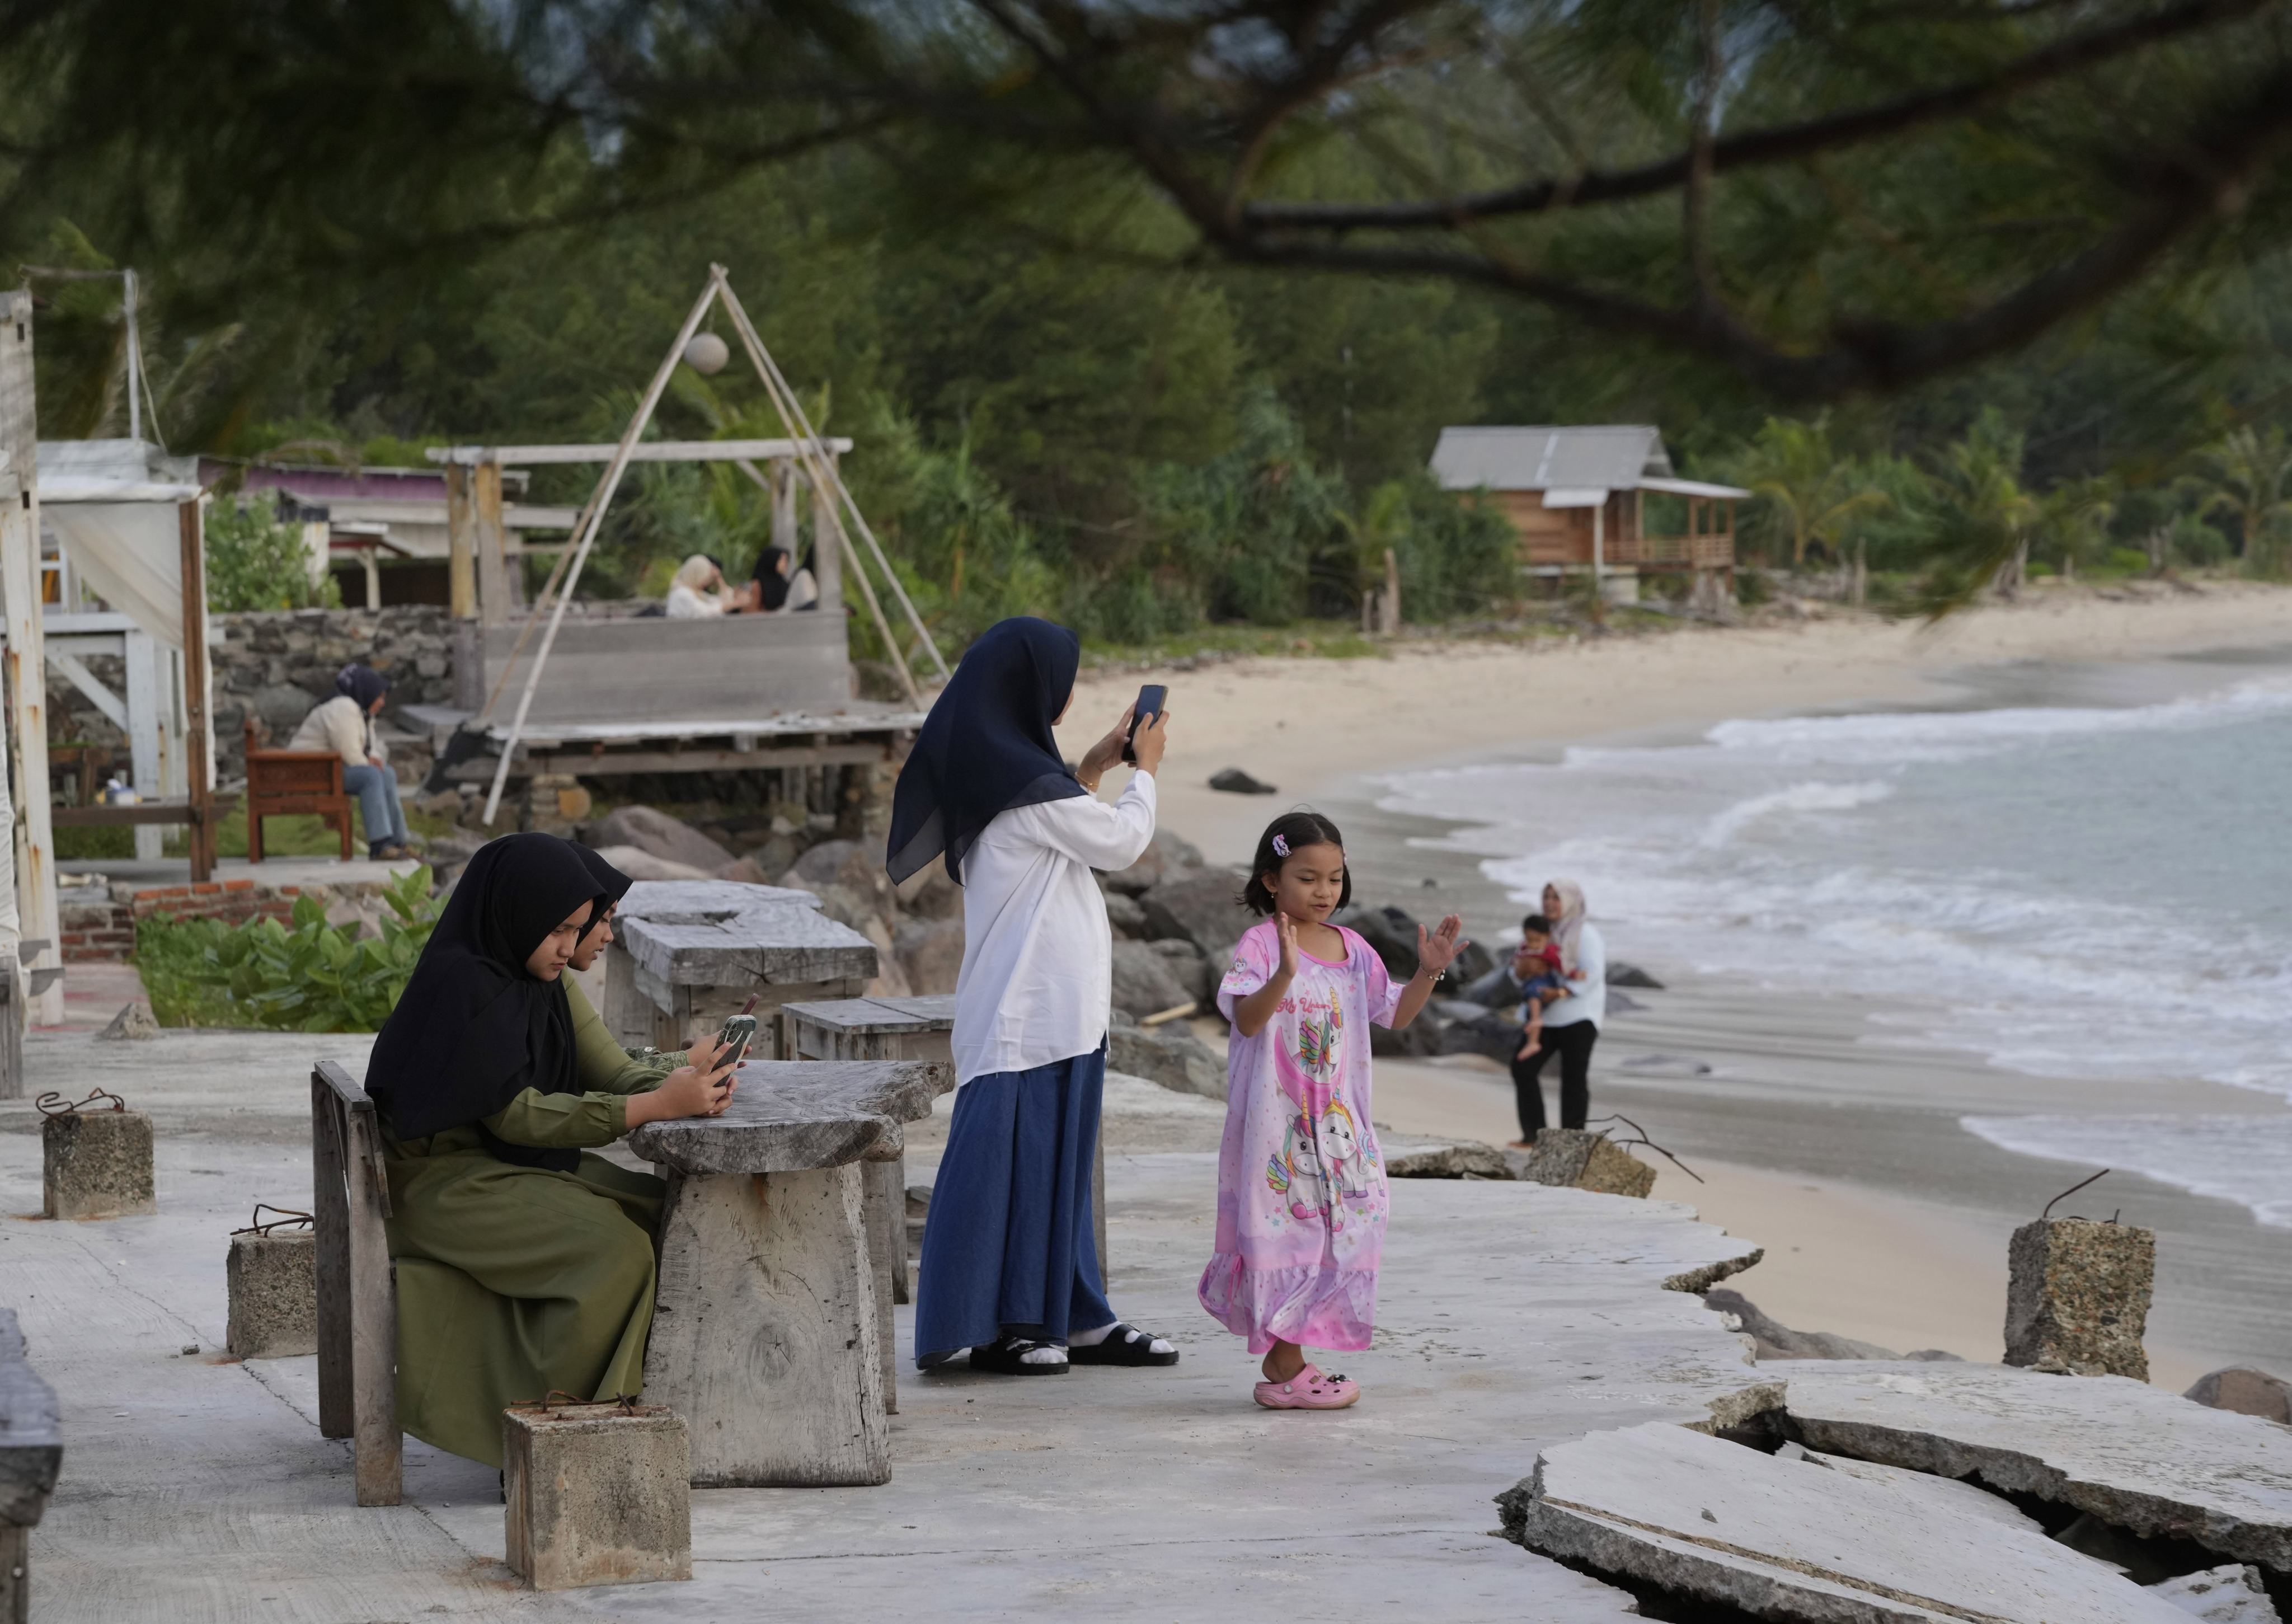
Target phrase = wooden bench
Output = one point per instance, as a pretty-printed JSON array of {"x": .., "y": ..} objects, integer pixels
[
  {"x": 282, "y": 782},
  {"x": 357, "y": 1295},
  {"x": 31, "y": 1453}
]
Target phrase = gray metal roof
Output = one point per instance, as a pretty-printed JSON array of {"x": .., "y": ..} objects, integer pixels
[{"x": 1609, "y": 456}]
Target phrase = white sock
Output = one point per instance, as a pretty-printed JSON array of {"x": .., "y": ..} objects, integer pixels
[
  {"x": 1045, "y": 1355},
  {"x": 1091, "y": 1338}
]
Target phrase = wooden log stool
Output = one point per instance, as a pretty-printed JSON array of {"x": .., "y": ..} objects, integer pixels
[{"x": 766, "y": 1333}]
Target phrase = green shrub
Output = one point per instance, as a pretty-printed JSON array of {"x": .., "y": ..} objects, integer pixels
[
  {"x": 316, "y": 977},
  {"x": 256, "y": 561}
]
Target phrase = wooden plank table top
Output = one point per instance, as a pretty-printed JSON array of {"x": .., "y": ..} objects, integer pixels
[
  {"x": 877, "y": 1016},
  {"x": 721, "y": 933},
  {"x": 103, "y": 814},
  {"x": 794, "y": 1116}
]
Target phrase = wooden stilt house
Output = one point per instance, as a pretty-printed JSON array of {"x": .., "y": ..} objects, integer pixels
[{"x": 1600, "y": 500}]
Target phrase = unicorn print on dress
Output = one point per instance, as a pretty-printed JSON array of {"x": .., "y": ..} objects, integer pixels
[
  {"x": 1296, "y": 1172},
  {"x": 1349, "y": 1161}
]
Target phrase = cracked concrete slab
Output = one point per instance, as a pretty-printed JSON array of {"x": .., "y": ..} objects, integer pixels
[
  {"x": 1790, "y": 1539},
  {"x": 197, "y": 1490},
  {"x": 2127, "y": 1453}
]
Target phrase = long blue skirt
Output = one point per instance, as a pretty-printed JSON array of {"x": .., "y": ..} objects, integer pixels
[{"x": 1007, "y": 1246}]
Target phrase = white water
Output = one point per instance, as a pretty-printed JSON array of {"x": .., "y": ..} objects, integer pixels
[{"x": 2070, "y": 892}]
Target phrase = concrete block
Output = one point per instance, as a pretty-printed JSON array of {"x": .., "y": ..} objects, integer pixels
[
  {"x": 2076, "y": 1298},
  {"x": 598, "y": 1494},
  {"x": 274, "y": 1294},
  {"x": 96, "y": 1164},
  {"x": 1575, "y": 1158}
]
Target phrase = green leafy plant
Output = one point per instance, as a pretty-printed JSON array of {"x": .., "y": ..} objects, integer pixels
[
  {"x": 256, "y": 561},
  {"x": 315, "y": 977}
]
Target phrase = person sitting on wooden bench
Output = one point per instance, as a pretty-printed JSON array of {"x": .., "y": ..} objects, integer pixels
[
  {"x": 524, "y": 1263},
  {"x": 344, "y": 725}
]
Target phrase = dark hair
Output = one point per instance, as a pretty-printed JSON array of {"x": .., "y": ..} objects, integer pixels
[
  {"x": 1536, "y": 923},
  {"x": 1296, "y": 830}
]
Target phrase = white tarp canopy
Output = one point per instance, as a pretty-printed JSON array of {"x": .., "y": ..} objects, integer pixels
[{"x": 116, "y": 506}]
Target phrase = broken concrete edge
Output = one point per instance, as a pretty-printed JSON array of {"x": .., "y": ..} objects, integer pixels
[
  {"x": 2012, "y": 1472},
  {"x": 1697, "y": 1281}
]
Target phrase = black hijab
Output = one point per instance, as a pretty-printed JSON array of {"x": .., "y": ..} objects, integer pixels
[
  {"x": 473, "y": 1030},
  {"x": 363, "y": 683},
  {"x": 987, "y": 745},
  {"x": 770, "y": 581},
  {"x": 616, "y": 885}
]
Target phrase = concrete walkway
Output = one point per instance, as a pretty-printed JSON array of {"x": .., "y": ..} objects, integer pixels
[{"x": 1511, "y": 1317}]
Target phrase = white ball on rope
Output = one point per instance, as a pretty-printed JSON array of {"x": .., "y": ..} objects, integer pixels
[{"x": 706, "y": 354}]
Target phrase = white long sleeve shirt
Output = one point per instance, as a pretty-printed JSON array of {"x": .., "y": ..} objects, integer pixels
[
  {"x": 1589, "y": 1000},
  {"x": 1038, "y": 978}
]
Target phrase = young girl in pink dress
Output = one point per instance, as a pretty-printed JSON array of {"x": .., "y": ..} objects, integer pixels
[{"x": 1301, "y": 1182}]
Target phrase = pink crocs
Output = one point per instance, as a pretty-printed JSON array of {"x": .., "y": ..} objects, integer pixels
[{"x": 1308, "y": 1389}]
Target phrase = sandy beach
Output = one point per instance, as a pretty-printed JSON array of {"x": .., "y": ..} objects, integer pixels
[{"x": 1882, "y": 1218}]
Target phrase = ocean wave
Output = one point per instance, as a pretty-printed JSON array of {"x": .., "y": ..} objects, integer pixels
[
  {"x": 1808, "y": 797},
  {"x": 1914, "y": 736},
  {"x": 2243, "y": 1159}
]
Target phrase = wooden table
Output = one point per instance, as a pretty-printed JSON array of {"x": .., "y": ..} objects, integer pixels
[
  {"x": 688, "y": 953},
  {"x": 202, "y": 814},
  {"x": 767, "y": 1335}
]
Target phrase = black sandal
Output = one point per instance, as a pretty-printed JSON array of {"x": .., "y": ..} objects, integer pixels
[
  {"x": 1007, "y": 1357},
  {"x": 1125, "y": 1345}
]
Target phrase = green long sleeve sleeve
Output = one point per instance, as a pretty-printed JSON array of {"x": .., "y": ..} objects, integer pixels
[
  {"x": 561, "y": 1121},
  {"x": 602, "y": 1065}
]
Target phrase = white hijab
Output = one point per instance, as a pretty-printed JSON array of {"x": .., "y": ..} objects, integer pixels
[{"x": 1568, "y": 923}]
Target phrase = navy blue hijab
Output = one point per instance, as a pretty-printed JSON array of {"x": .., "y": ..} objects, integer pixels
[
  {"x": 363, "y": 683},
  {"x": 986, "y": 746}
]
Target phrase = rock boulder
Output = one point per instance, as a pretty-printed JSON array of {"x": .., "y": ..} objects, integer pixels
[
  {"x": 1168, "y": 1054},
  {"x": 931, "y": 952},
  {"x": 2246, "y": 1391},
  {"x": 1166, "y": 857},
  {"x": 1198, "y": 906},
  {"x": 658, "y": 833},
  {"x": 1143, "y": 982}
]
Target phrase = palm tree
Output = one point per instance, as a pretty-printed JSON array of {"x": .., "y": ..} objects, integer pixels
[
  {"x": 2247, "y": 472},
  {"x": 1811, "y": 492},
  {"x": 1978, "y": 517}
]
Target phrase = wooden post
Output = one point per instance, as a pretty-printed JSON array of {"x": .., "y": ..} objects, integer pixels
[
  {"x": 1599, "y": 557},
  {"x": 26, "y": 659},
  {"x": 492, "y": 543},
  {"x": 198, "y": 742},
  {"x": 827, "y": 557},
  {"x": 330, "y": 1209},
  {"x": 461, "y": 542},
  {"x": 147, "y": 696}
]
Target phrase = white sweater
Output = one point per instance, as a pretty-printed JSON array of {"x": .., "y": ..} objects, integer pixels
[
  {"x": 1038, "y": 978},
  {"x": 341, "y": 726},
  {"x": 1589, "y": 999}
]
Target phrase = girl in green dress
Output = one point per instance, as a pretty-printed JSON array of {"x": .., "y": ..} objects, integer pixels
[{"x": 524, "y": 1262}]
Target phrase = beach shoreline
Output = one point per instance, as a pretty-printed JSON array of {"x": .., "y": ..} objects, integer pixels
[{"x": 1882, "y": 1218}]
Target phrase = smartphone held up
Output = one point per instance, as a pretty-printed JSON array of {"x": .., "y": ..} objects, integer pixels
[{"x": 1151, "y": 698}]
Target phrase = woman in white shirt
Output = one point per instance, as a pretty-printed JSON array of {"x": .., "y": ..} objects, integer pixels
[
  {"x": 1571, "y": 1026},
  {"x": 1010, "y": 1269},
  {"x": 692, "y": 596},
  {"x": 344, "y": 725}
]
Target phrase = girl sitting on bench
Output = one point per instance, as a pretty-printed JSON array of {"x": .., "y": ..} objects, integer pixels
[{"x": 524, "y": 1263}]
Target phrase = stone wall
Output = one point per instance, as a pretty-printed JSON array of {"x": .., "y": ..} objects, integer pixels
[{"x": 278, "y": 666}]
